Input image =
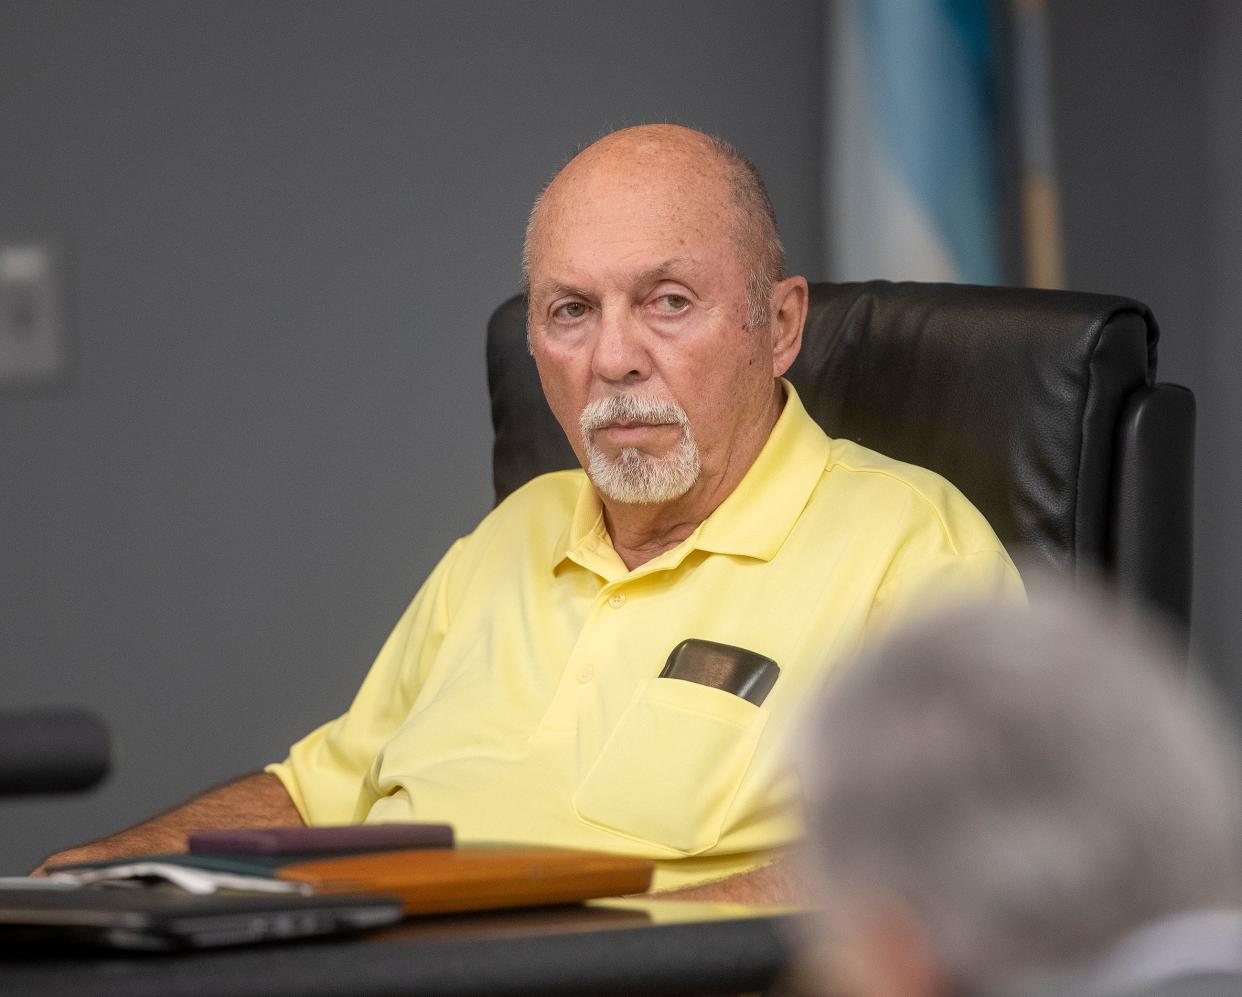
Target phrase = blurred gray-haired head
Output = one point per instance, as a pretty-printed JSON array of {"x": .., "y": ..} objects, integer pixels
[{"x": 1027, "y": 785}]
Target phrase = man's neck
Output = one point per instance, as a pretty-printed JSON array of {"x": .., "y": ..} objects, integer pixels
[{"x": 640, "y": 533}]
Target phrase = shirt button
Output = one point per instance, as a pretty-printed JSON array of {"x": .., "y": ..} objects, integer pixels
[
  {"x": 585, "y": 674},
  {"x": 617, "y": 601}
]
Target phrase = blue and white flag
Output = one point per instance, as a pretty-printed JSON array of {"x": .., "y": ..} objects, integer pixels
[{"x": 912, "y": 143}]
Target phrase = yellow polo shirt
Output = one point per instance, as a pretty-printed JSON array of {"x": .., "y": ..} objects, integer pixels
[{"x": 517, "y": 698}]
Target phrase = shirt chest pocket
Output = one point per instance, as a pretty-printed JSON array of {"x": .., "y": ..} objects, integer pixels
[{"x": 669, "y": 771}]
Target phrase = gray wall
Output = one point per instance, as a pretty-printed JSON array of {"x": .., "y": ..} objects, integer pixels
[
  {"x": 288, "y": 223},
  {"x": 1219, "y": 578},
  {"x": 1147, "y": 94}
]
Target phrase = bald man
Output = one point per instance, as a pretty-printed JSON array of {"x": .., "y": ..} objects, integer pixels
[{"x": 519, "y": 696}]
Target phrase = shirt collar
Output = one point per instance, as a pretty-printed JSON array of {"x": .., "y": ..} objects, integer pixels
[{"x": 753, "y": 521}]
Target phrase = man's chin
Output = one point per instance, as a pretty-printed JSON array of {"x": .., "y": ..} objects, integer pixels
[
  {"x": 634, "y": 477},
  {"x": 622, "y": 457}
]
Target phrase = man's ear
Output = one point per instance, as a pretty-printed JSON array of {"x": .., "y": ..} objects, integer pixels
[{"x": 789, "y": 304}]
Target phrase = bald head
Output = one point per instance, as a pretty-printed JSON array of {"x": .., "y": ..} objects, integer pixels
[{"x": 671, "y": 165}]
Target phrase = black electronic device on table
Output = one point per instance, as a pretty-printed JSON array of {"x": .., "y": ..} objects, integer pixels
[{"x": 151, "y": 919}]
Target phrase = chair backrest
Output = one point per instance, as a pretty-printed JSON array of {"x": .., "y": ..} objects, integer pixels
[{"x": 1041, "y": 406}]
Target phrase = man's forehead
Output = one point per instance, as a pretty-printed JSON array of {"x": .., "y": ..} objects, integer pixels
[
  {"x": 622, "y": 200},
  {"x": 629, "y": 229},
  {"x": 570, "y": 278},
  {"x": 628, "y": 173}
]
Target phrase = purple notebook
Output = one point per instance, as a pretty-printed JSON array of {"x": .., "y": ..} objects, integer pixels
[{"x": 333, "y": 839}]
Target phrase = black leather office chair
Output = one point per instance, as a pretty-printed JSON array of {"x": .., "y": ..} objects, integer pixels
[{"x": 1041, "y": 406}]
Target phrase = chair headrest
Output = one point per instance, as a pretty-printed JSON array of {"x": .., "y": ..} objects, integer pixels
[{"x": 1012, "y": 394}]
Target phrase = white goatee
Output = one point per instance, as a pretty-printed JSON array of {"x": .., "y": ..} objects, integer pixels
[{"x": 635, "y": 477}]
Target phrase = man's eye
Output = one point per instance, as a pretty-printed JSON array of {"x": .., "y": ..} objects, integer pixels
[
  {"x": 571, "y": 309},
  {"x": 673, "y": 303}
]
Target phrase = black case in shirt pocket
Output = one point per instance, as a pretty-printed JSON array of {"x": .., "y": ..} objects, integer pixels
[
  {"x": 669, "y": 771},
  {"x": 744, "y": 673}
]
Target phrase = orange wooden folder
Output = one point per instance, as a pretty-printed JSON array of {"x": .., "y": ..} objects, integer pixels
[{"x": 437, "y": 880}]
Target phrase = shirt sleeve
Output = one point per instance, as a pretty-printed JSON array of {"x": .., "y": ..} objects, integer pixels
[
  {"x": 326, "y": 772},
  {"x": 931, "y": 573}
]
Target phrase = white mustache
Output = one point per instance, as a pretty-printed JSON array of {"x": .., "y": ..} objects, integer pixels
[{"x": 630, "y": 408}]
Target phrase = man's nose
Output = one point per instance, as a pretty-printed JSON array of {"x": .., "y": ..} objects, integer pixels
[{"x": 620, "y": 352}]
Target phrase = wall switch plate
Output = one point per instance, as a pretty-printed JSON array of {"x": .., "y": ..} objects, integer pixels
[{"x": 32, "y": 335}]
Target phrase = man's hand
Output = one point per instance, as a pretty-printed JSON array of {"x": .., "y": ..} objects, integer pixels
[{"x": 255, "y": 800}]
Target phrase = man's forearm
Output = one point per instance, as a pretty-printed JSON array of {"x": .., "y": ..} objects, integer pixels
[
  {"x": 255, "y": 800},
  {"x": 775, "y": 884}
]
